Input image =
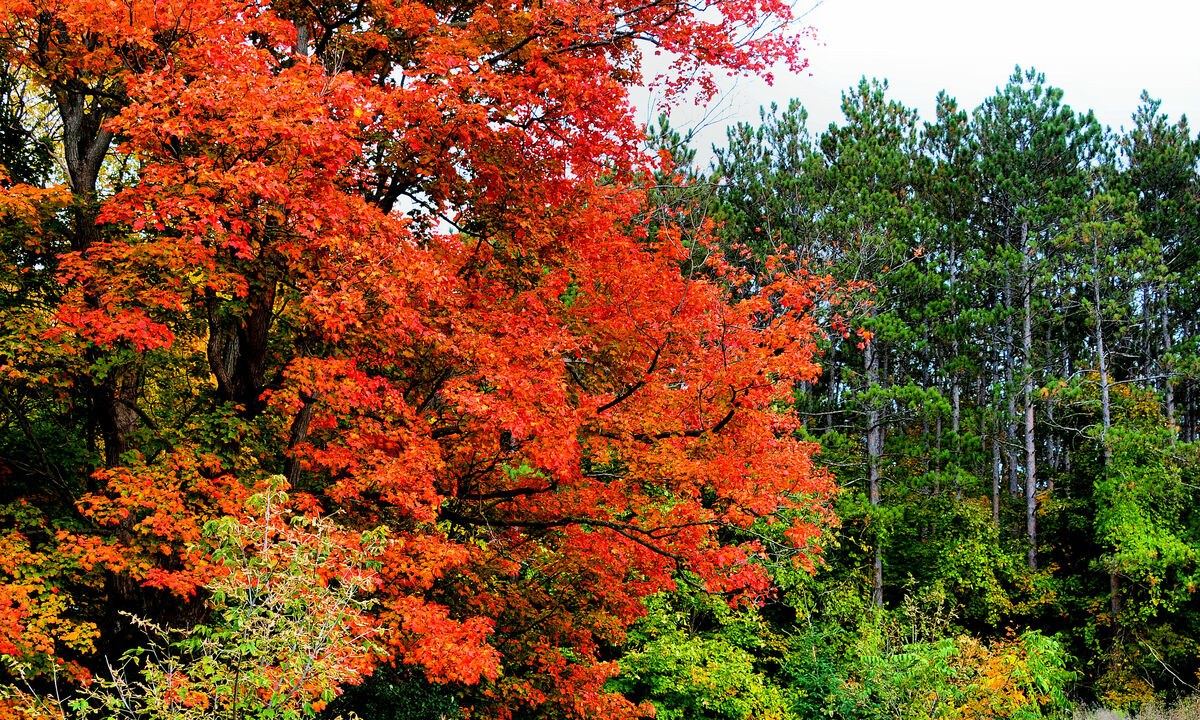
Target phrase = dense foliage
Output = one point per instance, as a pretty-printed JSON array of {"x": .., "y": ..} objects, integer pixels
[
  {"x": 392, "y": 257},
  {"x": 357, "y": 358},
  {"x": 1016, "y": 443}
]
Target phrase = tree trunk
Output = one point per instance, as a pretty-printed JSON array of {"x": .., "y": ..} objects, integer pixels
[
  {"x": 874, "y": 457},
  {"x": 997, "y": 475},
  {"x": 832, "y": 391},
  {"x": 1164, "y": 363},
  {"x": 1114, "y": 581},
  {"x": 1027, "y": 362},
  {"x": 237, "y": 347},
  {"x": 85, "y": 144},
  {"x": 1014, "y": 484}
]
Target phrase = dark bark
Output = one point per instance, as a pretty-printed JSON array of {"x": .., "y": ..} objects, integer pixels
[
  {"x": 238, "y": 346},
  {"x": 297, "y": 435}
]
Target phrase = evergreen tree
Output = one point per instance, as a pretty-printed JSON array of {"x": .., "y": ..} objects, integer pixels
[
  {"x": 1034, "y": 154},
  {"x": 1161, "y": 159}
]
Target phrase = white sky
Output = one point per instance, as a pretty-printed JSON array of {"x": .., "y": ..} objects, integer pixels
[{"x": 1100, "y": 52}]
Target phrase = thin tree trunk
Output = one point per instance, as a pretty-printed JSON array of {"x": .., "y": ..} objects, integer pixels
[
  {"x": 1114, "y": 581},
  {"x": 1164, "y": 363},
  {"x": 832, "y": 393},
  {"x": 1027, "y": 361},
  {"x": 955, "y": 380},
  {"x": 996, "y": 475},
  {"x": 1014, "y": 485},
  {"x": 874, "y": 456}
]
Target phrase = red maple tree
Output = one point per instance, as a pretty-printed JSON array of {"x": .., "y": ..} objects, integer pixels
[{"x": 397, "y": 251}]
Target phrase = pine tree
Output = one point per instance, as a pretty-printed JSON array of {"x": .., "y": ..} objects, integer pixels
[{"x": 1034, "y": 153}]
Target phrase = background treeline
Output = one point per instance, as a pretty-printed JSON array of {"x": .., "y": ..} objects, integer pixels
[{"x": 1016, "y": 443}]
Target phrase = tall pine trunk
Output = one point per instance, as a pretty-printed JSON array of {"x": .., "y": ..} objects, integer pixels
[
  {"x": 1027, "y": 362},
  {"x": 1014, "y": 485},
  {"x": 874, "y": 459},
  {"x": 1164, "y": 363},
  {"x": 1116, "y": 594}
]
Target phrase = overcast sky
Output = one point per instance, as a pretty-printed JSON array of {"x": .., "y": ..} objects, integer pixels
[{"x": 1100, "y": 52}]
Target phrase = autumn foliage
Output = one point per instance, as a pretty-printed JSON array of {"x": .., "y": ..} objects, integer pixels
[{"x": 397, "y": 252}]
